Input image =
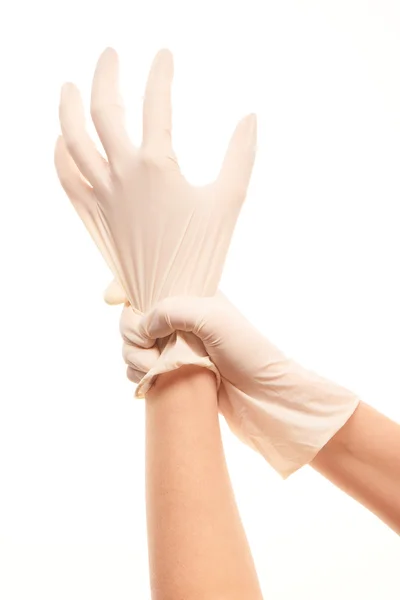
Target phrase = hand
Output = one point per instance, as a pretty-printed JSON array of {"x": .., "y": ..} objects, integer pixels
[
  {"x": 234, "y": 345},
  {"x": 274, "y": 405},
  {"x": 160, "y": 235}
]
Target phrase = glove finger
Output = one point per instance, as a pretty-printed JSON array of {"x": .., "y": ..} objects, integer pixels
[
  {"x": 82, "y": 149},
  {"x": 107, "y": 110},
  {"x": 235, "y": 173},
  {"x": 133, "y": 375},
  {"x": 115, "y": 294},
  {"x": 80, "y": 194},
  {"x": 174, "y": 314},
  {"x": 157, "y": 111},
  {"x": 129, "y": 327},
  {"x": 138, "y": 358},
  {"x": 75, "y": 186}
]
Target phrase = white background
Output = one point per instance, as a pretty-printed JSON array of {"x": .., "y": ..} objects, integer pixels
[{"x": 314, "y": 263}]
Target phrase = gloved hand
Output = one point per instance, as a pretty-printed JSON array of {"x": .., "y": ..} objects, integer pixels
[
  {"x": 274, "y": 405},
  {"x": 160, "y": 235}
]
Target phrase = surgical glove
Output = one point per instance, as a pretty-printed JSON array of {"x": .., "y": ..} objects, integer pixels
[
  {"x": 159, "y": 235},
  {"x": 282, "y": 410}
]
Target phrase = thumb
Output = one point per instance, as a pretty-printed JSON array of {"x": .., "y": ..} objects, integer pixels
[
  {"x": 115, "y": 294},
  {"x": 183, "y": 313}
]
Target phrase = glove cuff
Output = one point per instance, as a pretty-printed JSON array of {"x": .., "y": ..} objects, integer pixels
[{"x": 180, "y": 349}]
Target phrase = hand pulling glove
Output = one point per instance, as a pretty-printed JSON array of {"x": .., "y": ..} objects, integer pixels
[{"x": 274, "y": 405}]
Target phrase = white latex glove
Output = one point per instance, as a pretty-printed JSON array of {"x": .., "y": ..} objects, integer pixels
[
  {"x": 160, "y": 235},
  {"x": 274, "y": 405}
]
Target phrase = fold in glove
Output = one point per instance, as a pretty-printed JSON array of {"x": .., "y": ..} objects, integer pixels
[
  {"x": 159, "y": 235},
  {"x": 281, "y": 410}
]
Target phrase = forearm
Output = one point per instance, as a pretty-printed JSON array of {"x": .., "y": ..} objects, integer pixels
[
  {"x": 363, "y": 459},
  {"x": 197, "y": 545}
]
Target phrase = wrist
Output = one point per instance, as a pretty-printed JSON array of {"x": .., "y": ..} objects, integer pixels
[{"x": 198, "y": 379}]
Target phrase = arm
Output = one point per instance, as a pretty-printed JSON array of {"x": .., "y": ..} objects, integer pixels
[
  {"x": 363, "y": 459},
  {"x": 197, "y": 545},
  {"x": 282, "y": 408}
]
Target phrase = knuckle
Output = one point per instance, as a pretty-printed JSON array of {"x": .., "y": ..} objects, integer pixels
[
  {"x": 127, "y": 353},
  {"x": 151, "y": 158},
  {"x": 96, "y": 110},
  {"x": 133, "y": 375},
  {"x": 170, "y": 312},
  {"x": 166, "y": 305},
  {"x": 142, "y": 331}
]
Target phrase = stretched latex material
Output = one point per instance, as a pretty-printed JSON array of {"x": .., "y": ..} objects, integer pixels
[
  {"x": 159, "y": 235},
  {"x": 283, "y": 411}
]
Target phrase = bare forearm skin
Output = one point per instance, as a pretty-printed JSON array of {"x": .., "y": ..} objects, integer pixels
[
  {"x": 197, "y": 545},
  {"x": 363, "y": 459}
]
